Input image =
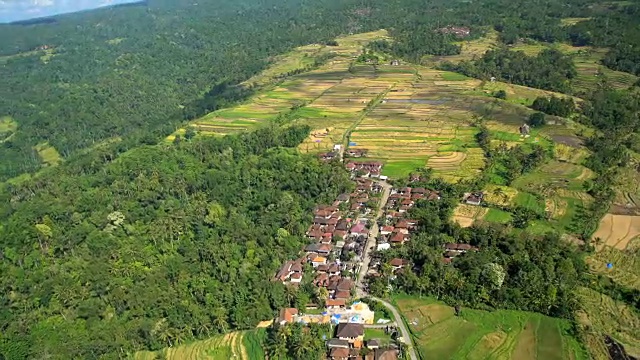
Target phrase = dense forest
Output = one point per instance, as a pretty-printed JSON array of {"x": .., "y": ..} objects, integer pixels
[
  {"x": 162, "y": 245},
  {"x": 511, "y": 270},
  {"x": 549, "y": 70}
]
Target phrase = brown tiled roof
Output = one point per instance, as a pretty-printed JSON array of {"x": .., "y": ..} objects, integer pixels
[
  {"x": 297, "y": 267},
  {"x": 340, "y": 234},
  {"x": 336, "y": 302},
  {"x": 398, "y": 237},
  {"x": 345, "y": 284},
  {"x": 287, "y": 314},
  {"x": 447, "y": 260},
  {"x": 342, "y": 294},
  {"x": 339, "y": 353},
  {"x": 397, "y": 262},
  {"x": 296, "y": 276},
  {"x": 284, "y": 271},
  {"x": 349, "y": 330},
  {"x": 450, "y": 254},
  {"x": 402, "y": 224},
  {"x": 323, "y": 268}
]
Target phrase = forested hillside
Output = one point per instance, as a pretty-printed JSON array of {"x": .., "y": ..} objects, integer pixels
[{"x": 160, "y": 246}]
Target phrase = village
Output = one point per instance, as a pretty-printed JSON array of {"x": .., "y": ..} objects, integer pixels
[{"x": 342, "y": 237}]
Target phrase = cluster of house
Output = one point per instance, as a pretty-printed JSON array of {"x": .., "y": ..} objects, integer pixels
[
  {"x": 328, "y": 156},
  {"x": 356, "y": 153},
  {"x": 349, "y": 342},
  {"x": 459, "y": 31},
  {"x": 365, "y": 168},
  {"x": 334, "y": 236},
  {"x": 397, "y": 229},
  {"x": 451, "y": 250}
]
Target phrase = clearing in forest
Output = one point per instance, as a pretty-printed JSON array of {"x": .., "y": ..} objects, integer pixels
[
  {"x": 236, "y": 345},
  {"x": 8, "y": 127},
  {"x": 48, "y": 154},
  {"x": 476, "y": 334}
]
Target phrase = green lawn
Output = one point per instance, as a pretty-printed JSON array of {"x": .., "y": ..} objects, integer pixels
[
  {"x": 530, "y": 202},
  {"x": 451, "y": 76},
  {"x": 477, "y": 334},
  {"x": 377, "y": 334},
  {"x": 497, "y": 216},
  {"x": 397, "y": 169}
]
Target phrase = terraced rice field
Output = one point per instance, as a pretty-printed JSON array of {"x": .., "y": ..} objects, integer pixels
[
  {"x": 223, "y": 347},
  {"x": 465, "y": 215},
  {"x": 503, "y": 334},
  {"x": 602, "y": 315}
]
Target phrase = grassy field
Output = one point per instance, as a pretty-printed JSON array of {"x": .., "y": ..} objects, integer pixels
[
  {"x": 497, "y": 216},
  {"x": 48, "y": 154},
  {"x": 476, "y": 334},
  {"x": 237, "y": 345}
]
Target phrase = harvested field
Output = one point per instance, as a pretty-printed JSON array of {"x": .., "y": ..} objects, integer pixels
[
  {"x": 465, "y": 215},
  {"x": 526, "y": 342},
  {"x": 572, "y": 141},
  {"x": 617, "y": 231}
]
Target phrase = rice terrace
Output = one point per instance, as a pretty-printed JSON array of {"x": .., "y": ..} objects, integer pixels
[
  {"x": 236, "y": 345},
  {"x": 477, "y": 334}
]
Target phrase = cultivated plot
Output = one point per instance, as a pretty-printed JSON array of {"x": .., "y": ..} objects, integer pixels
[{"x": 502, "y": 334}]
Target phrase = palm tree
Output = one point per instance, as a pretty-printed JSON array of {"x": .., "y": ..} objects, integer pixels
[{"x": 219, "y": 320}]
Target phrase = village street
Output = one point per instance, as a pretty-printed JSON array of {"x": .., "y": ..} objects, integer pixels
[
  {"x": 371, "y": 240},
  {"x": 366, "y": 259}
]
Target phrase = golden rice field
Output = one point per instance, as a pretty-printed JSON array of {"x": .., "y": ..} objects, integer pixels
[{"x": 236, "y": 345}]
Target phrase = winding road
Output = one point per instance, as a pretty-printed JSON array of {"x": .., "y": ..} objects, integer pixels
[{"x": 404, "y": 331}]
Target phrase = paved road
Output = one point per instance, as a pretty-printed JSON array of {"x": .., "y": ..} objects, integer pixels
[
  {"x": 373, "y": 233},
  {"x": 406, "y": 336},
  {"x": 366, "y": 259}
]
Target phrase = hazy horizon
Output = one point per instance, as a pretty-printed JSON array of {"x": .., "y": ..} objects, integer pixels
[{"x": 17, "y": 10}]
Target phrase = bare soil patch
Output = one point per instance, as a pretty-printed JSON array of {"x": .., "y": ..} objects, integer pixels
[{"x": 617, "y": 231}]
